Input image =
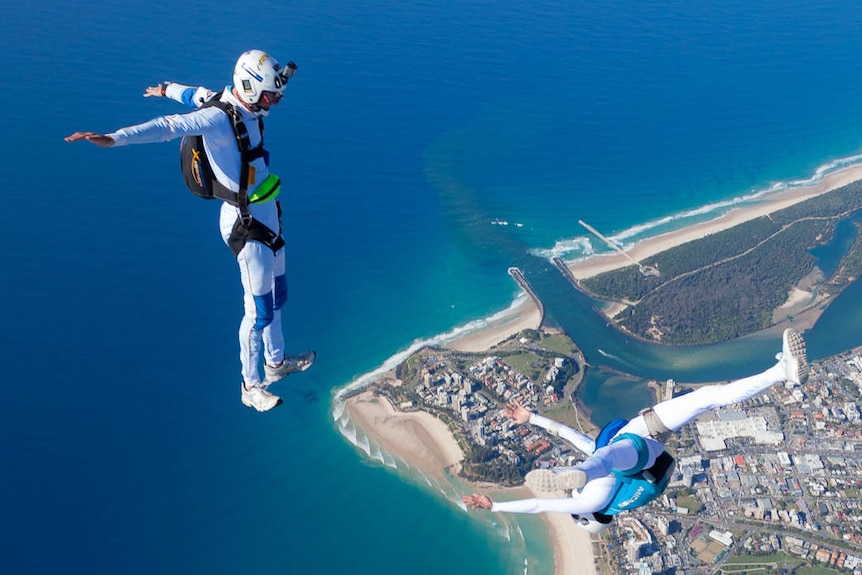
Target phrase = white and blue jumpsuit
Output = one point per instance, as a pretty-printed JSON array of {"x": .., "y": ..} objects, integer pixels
[
  {"x": 600, "y": 492},
  {"x": 262, "y": 272}
]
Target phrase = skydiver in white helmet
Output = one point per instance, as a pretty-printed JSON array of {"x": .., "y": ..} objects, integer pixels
[{"x": 250, "y": 217}]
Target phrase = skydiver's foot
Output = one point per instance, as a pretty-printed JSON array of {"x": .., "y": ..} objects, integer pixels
[
  {"x": 549, "y": 481},
  {"x": 793, "y": 358},
  {"x": 290, "y": 364},
  {"x": 259, "y": 398}
]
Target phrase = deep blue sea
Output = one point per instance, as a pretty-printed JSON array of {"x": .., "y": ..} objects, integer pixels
[{"x": 425, "y": 146}]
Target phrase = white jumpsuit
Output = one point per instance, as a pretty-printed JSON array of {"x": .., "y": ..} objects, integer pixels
[
  {"x": 622, "y": 455},
  {"x": 261, "y": 271}
]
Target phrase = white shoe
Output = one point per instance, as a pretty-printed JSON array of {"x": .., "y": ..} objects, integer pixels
[
  {"x": 290, "y": 364},
  {"x": 546, "y": 480},
  {"x": 259, "y": 398},
  {"x": 793, "y": 358}
]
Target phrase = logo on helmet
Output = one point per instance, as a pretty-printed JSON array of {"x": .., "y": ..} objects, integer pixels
[{"x": 252, "y": 73}]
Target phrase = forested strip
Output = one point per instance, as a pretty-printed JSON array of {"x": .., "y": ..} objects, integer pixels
[
  {"x": 729, "y": 300},
  {"x": 850, "y": 267},
  {"x": 840, "y": 201},
  {"x": 734, "y": 297},
  {"x": 629, "y": 284}
]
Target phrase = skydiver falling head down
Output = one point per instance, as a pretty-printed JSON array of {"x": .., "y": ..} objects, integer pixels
[{"x": 627, "y": 465}]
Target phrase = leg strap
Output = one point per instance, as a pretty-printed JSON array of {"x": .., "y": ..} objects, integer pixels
[
  {"x": 243, "y": 233},
  {"x": 657, "y": 429}
]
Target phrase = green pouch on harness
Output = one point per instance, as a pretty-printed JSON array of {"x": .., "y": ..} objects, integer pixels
[{"x": 266, "y": 191}]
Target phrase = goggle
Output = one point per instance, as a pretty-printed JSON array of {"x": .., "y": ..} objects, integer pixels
[{"x": 270, "y": 98}]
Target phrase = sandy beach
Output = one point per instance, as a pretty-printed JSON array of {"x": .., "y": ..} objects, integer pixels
[
  {"x": 778, "y": 201},
  {"x": 525, "y": 315},
  {"x": 417, "y": 437},
  {"x": 426, "y": 443}
]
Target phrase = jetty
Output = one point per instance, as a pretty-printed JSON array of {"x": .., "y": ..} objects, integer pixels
[
  {"x": 518, "y": 276},
  {"x": 645, "y": 270}
]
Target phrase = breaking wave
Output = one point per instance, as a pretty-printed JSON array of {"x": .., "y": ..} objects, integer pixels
[{"x": 581, "y": 247}]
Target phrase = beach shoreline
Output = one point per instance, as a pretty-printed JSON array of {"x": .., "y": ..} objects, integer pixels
[
  {"x": 426, "y": 442},
  {"x": 597, "y": 264},
  {"x": 526, "y": 314}
]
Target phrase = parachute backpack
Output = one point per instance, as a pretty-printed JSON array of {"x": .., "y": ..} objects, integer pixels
[
  {"x": 634, "y": 488},
  {"x": 197, "y": 171},
  {"x": 201, "y": 181}
]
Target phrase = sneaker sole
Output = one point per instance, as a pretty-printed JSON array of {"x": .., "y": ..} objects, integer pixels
[
  {"x": 247, "y": 403},
  {"x": 547, "y": 481},
  {"x": 274, "y": 378},
  {"x": 795, "y": 345}
]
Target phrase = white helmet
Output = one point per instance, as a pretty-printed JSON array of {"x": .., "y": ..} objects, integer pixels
[
  {"x": 593, "y": 522},
  {"x": 257, "y": 72}
]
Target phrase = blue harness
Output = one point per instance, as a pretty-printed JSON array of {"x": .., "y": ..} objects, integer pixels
[{"x": 637, "y": 486}]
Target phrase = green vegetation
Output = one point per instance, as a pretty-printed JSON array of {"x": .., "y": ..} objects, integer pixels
[
  {"x": 779, "y": 557},
  {"x": 560, "y": 344},
  {"x": 761, "y": 564},
  {"x": 528, "y": 364},
  {"x": 850, "y": 266},
  {"x": 816, "y": 570},
  {"x": 484, "y": 464},
  {"x": 728, "y": 284},
  {"x": 693, "y": 505},
  {"x": 565, "y": 413},
  {"x": 754, "y": 569}
]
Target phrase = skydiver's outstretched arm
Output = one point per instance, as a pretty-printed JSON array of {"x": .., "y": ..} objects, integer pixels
[
  {"x": 154, "y": 91},
  {"x": 157, "y": 91},
  {"x": 100, "y": 140},
  {"x": 478, "y": 501},
  {"x": 521, "y": 414},
  {"x": 595, "y": 495}
]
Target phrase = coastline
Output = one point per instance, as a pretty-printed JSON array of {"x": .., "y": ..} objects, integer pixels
[
  {"x": 525, "y": 315},
  {"x": 595, "y": 265},
  {"x": 425, "y": 441},
  {"x": 419, "y": 438}
]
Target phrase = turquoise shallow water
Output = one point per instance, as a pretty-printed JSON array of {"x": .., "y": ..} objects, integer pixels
[{"x": 411, "y": 135}]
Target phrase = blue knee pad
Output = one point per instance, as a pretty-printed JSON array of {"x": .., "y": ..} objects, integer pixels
[
  {"x": 264, "y": 310},
  {"x": 280, "y": 291}
]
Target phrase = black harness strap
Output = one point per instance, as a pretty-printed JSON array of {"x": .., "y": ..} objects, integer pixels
[
  {"x": 243, "y": 232},
  {"x": 246, "y": 228}
]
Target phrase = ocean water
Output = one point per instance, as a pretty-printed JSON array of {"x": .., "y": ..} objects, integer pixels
[{"x": 426, "y": 146}]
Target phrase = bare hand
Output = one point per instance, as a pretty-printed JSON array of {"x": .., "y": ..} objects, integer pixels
[
  {"x": 153, "y": 91},
  {"x": 98, "y": 139},
  {"x": 477, "y": 501},
  {"x": 517, "y": 412}
]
